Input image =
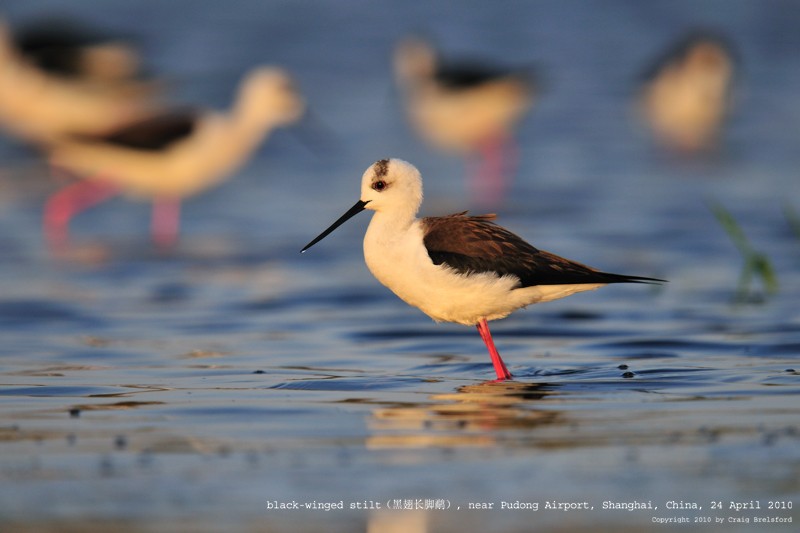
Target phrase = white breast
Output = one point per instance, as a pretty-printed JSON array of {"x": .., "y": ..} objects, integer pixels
[{"x": 397, "y": 258}]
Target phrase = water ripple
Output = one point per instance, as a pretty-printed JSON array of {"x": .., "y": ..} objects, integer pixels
[
  {"x": 62, "y": 391},
  {"x": 35, "y": 313},
  {"x": 335, "y": 383},
  {"x": 648, "y": 346}
]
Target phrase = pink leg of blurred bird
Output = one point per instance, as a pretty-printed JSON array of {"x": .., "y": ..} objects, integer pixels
[
  {"x": 68, "y": 202},
  {"x": 166, "y": 221},
  {"x": 492, "y": 172},
  {"x": 499, "y": 366}
]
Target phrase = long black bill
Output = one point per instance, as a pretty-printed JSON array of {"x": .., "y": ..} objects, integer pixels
[{"x": 353, "y": 211}]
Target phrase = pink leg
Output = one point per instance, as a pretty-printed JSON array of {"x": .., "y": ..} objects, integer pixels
[
  {"x": 166, "y": 221},
  {"x": 510, "y": 158},
  {"x": 499, "y": 366},
  {"x": 490, "y": 179},
  {"x": 68, "y": 202}
]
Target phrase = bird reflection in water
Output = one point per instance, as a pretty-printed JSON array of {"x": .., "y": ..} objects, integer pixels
[{"x": 474, "y": 415}]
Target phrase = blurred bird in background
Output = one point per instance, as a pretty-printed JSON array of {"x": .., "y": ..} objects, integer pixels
[
  {"x": 58, "y": 79},
  {"x": 685, "y": 96},
  {"x": 469, "y": 108},
  {"x": 67, "y": 48},
  {"x": 170, "y": 155}
]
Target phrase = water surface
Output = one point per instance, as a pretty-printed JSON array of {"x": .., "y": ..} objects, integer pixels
[{"x": 195, "y": 389}]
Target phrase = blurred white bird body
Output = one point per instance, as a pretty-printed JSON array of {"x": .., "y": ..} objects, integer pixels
[
  {"x": 175, "y": 155},
  {"x": 458, "y": 109},
  {"x": 688, "y": 95},
  {"x": 217, "y": 145},
  {"x": 467, "y": 108},
  {"x": 43, "y": 108}
]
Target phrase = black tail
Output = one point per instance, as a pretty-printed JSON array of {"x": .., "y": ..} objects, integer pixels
[{"x": 606, "y": 277}]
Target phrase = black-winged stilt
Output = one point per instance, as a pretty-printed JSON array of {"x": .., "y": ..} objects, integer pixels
[
  {"x": 43, "y": 100},
  {"x": 170, "y": 156},
  {"x": 466, "y": 107},
  {"x": 685, "y": 95},
  {"x": 458, "y": 268},
  {"x": 71, "y": 49}
]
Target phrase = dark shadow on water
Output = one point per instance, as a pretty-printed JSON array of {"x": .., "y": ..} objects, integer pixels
[
  {"x": 669, "y": 345},
  {"x": 334, "y": 297},
  {"x": 401, "y": 333},
  {"x": 336, "y": 383},
  {"x": 30, "y": 314},
  {"x": 60, "y": 391}
]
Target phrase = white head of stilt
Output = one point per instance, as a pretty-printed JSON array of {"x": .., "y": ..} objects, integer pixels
[
  {"x": 7, "y": 52},
  {"x": 392, "y": 187},
  {"x": 414, "y": 62},
  {"x": 268, "y": 97}
]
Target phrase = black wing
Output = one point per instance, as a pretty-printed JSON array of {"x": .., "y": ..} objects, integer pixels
[
  {"x": 474, "y": 244},
  {"x": 57, "y": 44},
  {"x": 157, "y": 132},
  {"x": 466, "y": 75}
]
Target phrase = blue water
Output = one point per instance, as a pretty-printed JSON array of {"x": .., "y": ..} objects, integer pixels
[{"x": 142, "y": 390}]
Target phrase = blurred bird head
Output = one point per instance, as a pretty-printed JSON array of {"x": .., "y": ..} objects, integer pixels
[
  {"x": 6, "y": 45},
  {"x": 269, "y": 96},
  {"x": 414, "y": 61}
]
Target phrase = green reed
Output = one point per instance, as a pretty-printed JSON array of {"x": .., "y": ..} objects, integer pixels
[{"x": 755, "y": 265}]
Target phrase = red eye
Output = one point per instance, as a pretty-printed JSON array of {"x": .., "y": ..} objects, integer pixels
[{"x": 379, "y": 185}]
